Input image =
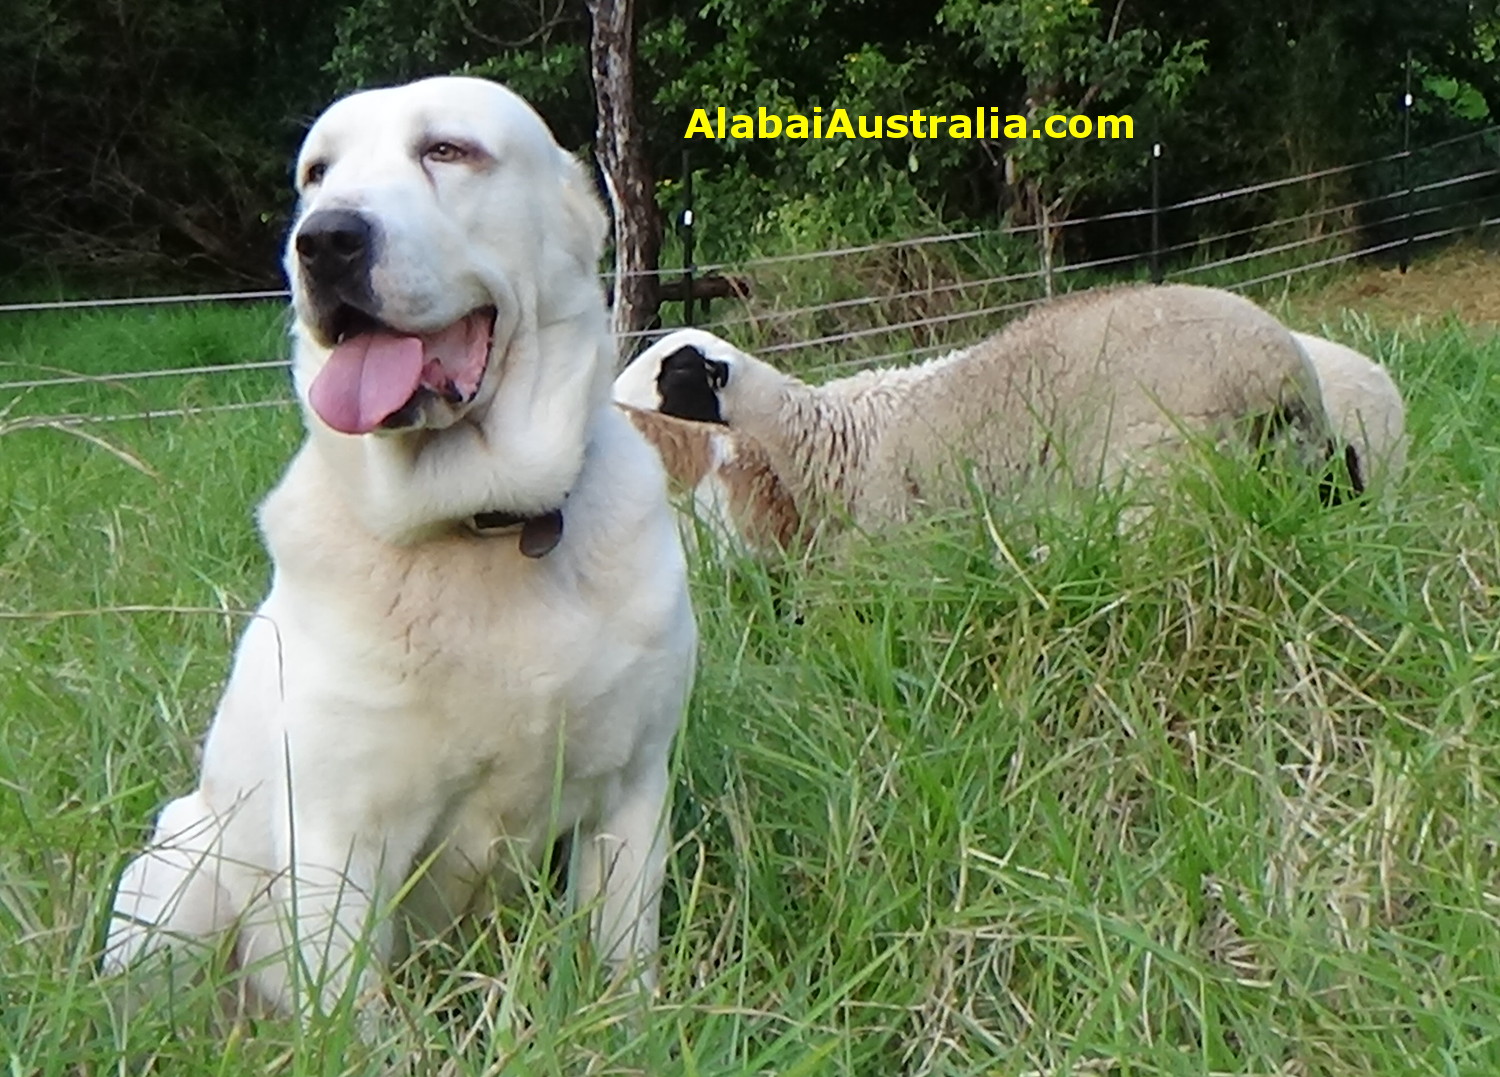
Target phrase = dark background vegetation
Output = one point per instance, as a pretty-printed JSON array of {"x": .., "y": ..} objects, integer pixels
[{"x": 144, "y": 142}]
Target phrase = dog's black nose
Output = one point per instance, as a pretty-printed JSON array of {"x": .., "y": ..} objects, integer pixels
[{"x": 334, "y": 246}]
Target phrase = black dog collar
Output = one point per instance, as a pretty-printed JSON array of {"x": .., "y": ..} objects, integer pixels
[{"x": 539, "y": 534}]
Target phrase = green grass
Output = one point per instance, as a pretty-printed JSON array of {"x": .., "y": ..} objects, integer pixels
[
  {"x": 1219, "y": 798},
  {"x": 102, "y": 345}
]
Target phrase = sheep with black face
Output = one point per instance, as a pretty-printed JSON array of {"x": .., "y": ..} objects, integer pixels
[{"x": 1086, "y": 389}]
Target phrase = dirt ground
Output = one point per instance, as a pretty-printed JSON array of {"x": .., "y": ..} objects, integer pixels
[{"x": 1462, "y": 281}]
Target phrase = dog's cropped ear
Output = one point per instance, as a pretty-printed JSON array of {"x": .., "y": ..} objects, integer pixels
[{"x": 586, "y": 217}]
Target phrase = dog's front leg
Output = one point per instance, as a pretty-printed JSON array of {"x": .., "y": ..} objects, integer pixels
[
  {"x": 618, "y": 868},
  {"x": 173, "y": 892},
  {"x": 321, "y": 931}
]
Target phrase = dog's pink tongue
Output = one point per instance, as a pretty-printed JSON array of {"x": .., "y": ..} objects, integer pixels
[{"x": 367, "y": 378}]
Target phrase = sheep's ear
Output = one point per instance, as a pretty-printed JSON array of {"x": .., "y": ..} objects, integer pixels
[{"x": 718, "y": 372}]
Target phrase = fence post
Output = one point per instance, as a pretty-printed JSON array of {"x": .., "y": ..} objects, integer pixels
[
  {"x": 1156, "y": 275},
  {"x": 1044, "y": 238},
  {"x": 1406, "y": 103},
  {"x": 688, "y": 304}
]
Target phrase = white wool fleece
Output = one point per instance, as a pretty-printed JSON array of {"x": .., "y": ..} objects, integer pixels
[
  {"x": 1086, "y": 388},
  {"x": 1363, "y": 406}
]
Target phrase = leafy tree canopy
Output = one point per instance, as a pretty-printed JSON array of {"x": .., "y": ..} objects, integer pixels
[{"x": 152, "y": 139}]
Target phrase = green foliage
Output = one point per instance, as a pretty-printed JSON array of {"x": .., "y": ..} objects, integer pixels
[
  {"x": 1462, "y": 100},
  {"x": 1068, "y": 53},
  {"x": 152, "y": 136},
  {"x": 1075, "y": 62},
  {"x": 539, "y": 51},
  {"x": 719, "y": 57},
  {"x": 143, "y": 142}
]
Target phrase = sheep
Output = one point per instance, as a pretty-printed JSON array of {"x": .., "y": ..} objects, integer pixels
[
  {"x": 1364, "y": 408},
  {"x": 727, "y": 479},
  {"x": 1087, "y": 388}
]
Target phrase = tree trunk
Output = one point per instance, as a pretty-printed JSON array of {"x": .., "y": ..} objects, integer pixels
[{"x": 632, "y": 194}]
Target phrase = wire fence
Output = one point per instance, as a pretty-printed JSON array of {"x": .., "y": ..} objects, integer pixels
[
  {"x": 995, "y": 294},
  {"x": 918, "y": 241},
  {"x": 30, "y": 422}
]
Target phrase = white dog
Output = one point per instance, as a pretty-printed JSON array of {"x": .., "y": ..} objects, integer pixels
[{"x": 478, "y": 636}]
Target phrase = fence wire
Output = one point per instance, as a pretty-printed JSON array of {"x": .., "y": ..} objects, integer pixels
[
  {"x": 1036, "y": 275},
  {"x": 918, "y": 241},
  {"x": 139, "y": 375},
  {"x": 20, "y": 388},
  {"x": 41, "y": 422}
]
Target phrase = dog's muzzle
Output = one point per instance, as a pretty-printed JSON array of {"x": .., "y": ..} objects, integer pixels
[{"x": 334, "y": 250}]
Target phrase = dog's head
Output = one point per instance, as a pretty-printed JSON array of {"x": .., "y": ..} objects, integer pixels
[
  {"x": 440, "y": 229},
  {"x": 681, "y": 374}
]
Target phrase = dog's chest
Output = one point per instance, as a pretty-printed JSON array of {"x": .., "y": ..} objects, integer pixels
[
  {"x": 470, "y": 677},
  {"x": 465, "y": 621},
  {"x": 442, "y": 696}
]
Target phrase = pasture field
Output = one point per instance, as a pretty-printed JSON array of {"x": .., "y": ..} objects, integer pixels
[{"x": 1005, "y": 794}]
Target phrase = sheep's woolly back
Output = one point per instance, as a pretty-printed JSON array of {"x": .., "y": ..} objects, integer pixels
[
  {"x": 1363, "y": 405},
  {"x": 1088, "y": 387},
  {"x": 729, "y": 480}
]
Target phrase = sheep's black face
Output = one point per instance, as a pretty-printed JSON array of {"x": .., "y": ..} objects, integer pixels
[{"x": 688, "y": 382}]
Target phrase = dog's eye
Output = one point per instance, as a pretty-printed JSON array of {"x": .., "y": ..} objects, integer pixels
[
  {"x": 444, "y": 152},
  {"x": 314, "y": 173}
]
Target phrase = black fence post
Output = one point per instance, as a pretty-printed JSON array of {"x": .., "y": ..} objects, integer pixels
[
  {"x": 1406, "y": 103},
  {"x": 1156, "y": 275},
  {"x": 688, "y": 305}
]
